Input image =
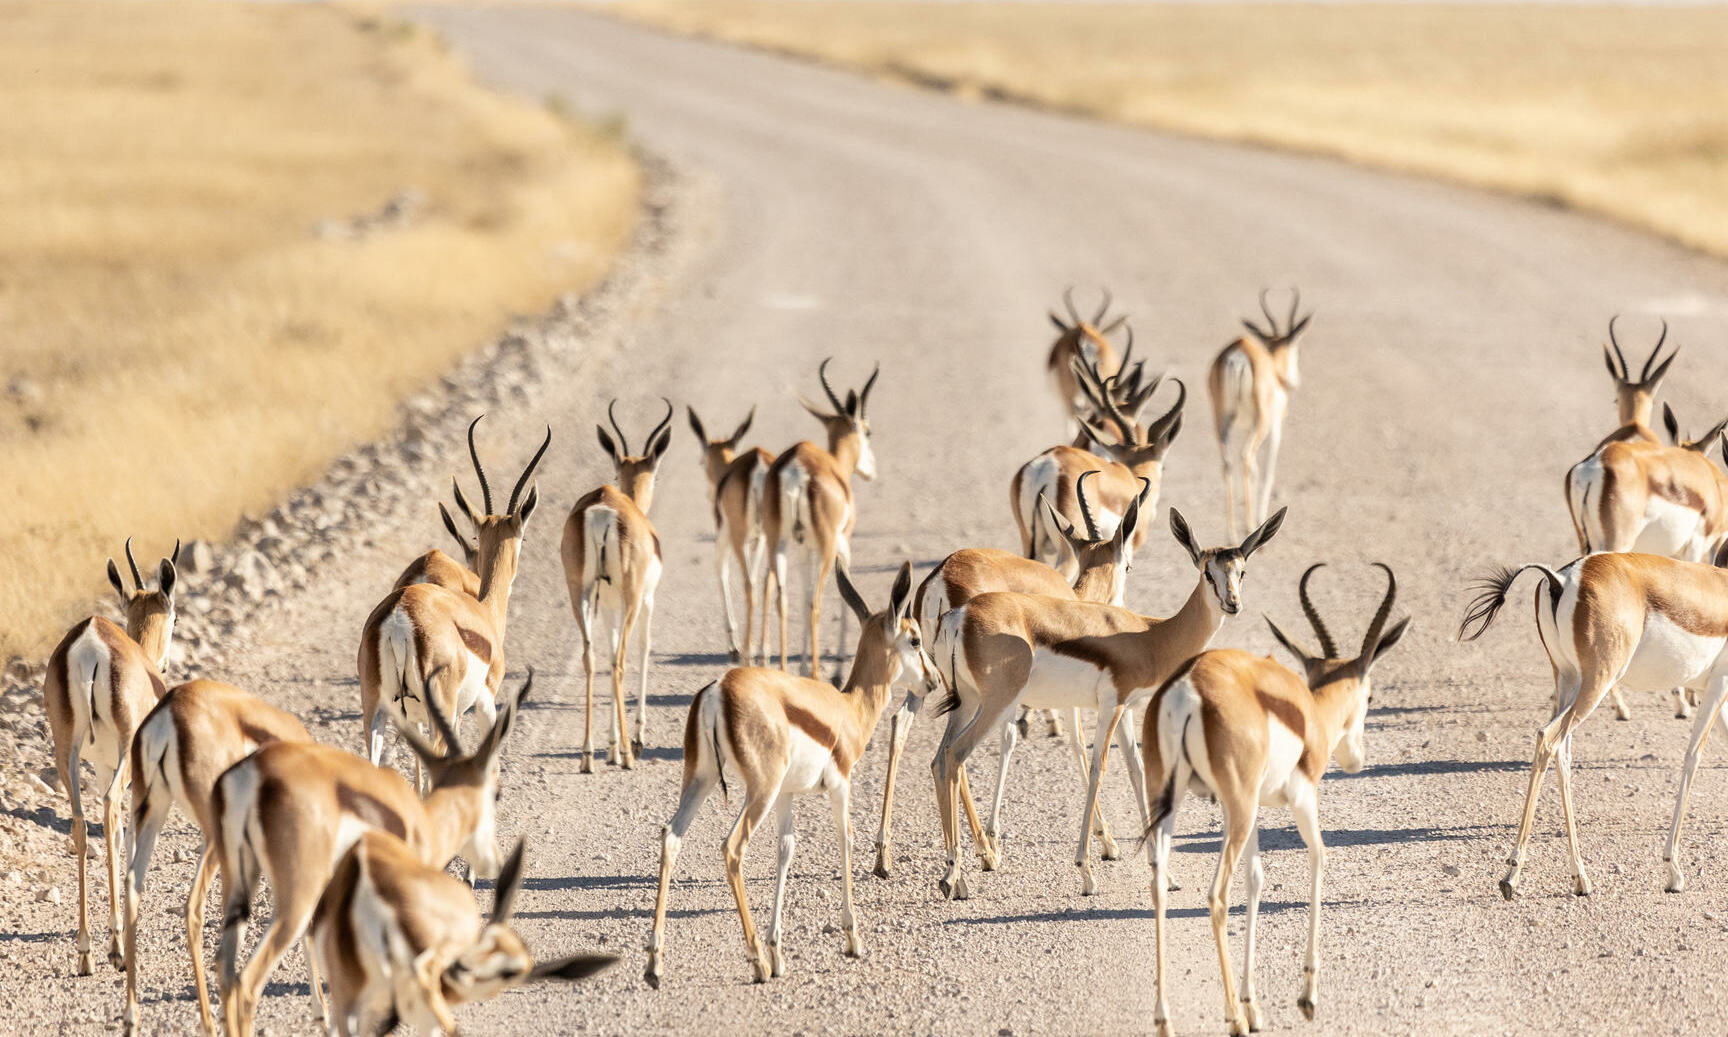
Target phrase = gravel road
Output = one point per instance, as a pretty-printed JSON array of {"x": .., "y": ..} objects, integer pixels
[{"x": 1450, "y": 377}]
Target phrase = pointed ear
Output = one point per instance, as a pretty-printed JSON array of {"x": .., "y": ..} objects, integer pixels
[
  {"x": 743, "y": 427},
  {"x": 1655, "y": 378},
  {"x": 529, "y": 503},
  {"x": 900, "y": 598},
  {"x": 114, "y": 578},
  {"x": 579, "y": 967},
  {"x": 1301, "y": 326},
  {"x": 462, "y": 502},
  {"x": 1130, "y": 521},
  {"x": 1184, "y": 535},
  {"x": 509, "y": 882},
  {"x": 1390, "y": 638},
  {"x": 1302, "y": 655},
  {"x": 816, "y": 412},
  {"x": 1063, "y": 328},
  {"x": 165, "y": 576},
  {"x": 1062, "y": 525},
  {"x": 1168, "y": 434},
  {"x": 1671, "y": 423},
  {"x": 494, "y": 742},
  {"x": 696, "y": 425},
  {"x": 851, "y": 403},
  {"x": 849, "y": 594},
  {"x": 1097, "y": 436},
  {"x": 450, "y": 526},
  {"x": 1267, "y": 531},
  {"x": 657, "y": 449},
  {"x": 607, "y": 445}
]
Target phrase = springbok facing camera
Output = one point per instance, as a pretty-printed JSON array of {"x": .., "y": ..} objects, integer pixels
[
  {"x": 788, "y": 736},
  {"x": 101, "y": 682},
  {"x": 1250, "y": 383},
  {"x": 807, "y": 500},
  {"x": 1004, "y": 651},
  {"x": 1248, "y": 732},
  {"x": 735, "y": 482},
  {"x": 612, "y": 567},
  {"x": 1644, "y": 621}
]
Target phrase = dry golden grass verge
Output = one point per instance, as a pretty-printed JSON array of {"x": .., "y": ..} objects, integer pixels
[
  {"x": 202, "y": 297},
  {"x": 1619, "y": 110}
]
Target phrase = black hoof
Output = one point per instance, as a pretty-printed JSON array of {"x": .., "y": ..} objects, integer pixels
[
  {"x": 1506, "y": 889},
  {"x": 1307, "y": 1008}
]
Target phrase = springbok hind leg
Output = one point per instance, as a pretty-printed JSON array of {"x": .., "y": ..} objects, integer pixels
[
  {"x": 1708, "y": 716},
  {"x": 114, "y": 838}
]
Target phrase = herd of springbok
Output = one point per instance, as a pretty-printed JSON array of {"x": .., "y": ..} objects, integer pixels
[{"x": 355, "y": 856}]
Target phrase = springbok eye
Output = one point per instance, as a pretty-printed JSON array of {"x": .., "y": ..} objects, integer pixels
[{"x": 915, "y": 641}]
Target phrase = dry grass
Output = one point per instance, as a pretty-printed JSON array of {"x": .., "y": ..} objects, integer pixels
[
  {"x": 1623, "y": 111},
  {"x": 179, "y": 345}
]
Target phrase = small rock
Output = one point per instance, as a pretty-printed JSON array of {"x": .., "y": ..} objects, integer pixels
[
  {"x": 51, "y": 895},
  {"x": 1451, "y": 870},
  {"x": 197, "y": 556}
]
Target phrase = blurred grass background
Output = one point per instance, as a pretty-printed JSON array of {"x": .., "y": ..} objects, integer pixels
[
  {"x": 1622, "y": 111},
  {"x": 235, "y": 235}
]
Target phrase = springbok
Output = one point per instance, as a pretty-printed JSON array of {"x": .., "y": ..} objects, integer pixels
[
  {"x": 289, "y": 811},
  {"x": 1639, "y": 620},
  {"x": 196, "y": 731},
  {"x": 1004, "y": 651},
  {"x": 788, "y": 736},
  {"x": 1103, "y": 562},
  {"x": 426, "y": 629},
  {"x": 1635, "y": 397},
  {"x": 735, "y": 482},
  {"x": 1250, "y": 383},
  {"x": 404, "y": 943},
  {"x": 1130, "y": 468},
  {"x": 612, "y": 566},
  {"x": 1086, "y": 341},
  {"x": 439, "y": 568},
  {"x": 1249, "y": 733},
  {"x": 807, "y": 500},
  {"x": 101, "y": 681}
]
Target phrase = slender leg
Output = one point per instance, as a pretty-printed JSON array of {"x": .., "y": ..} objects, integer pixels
[
  {"x": 71, "y": 776},
  {"x": 114, "y": 836},
  {"x": 989, "y": 854},
  {"x": 818, "y": 579},
  {"x": 993, "y": 828},
  {"x": 1100, "y": 757},
  {"x": 1236, "y": 831},
  {"x": 1563, "y": 776},
  {"x": 642, "y": 665},
  {"x": 1274, "y": 436},
  {"x": 840, "y": 796},
  {"x": 749, "y": 557},
  {"x": 1107, "y": 843},
  {"x": 777, "y": 581},
  {"x": 1129, "y": 745},
  {"x": 671, "y": 839},
  {"x": 195, "y": 935},
  {"x": 722, "y": 553},
  {"x": 1305, "y": 810},
  {"x": 756, "y": 806},
  {"x": 783, "y": 868},
  {"x": 287, "y": 925},
  {"x": 1256, "y": 881},
  {"x": 1707, "y": 716},
  {"x": 1577, "y": 698},
  {"x": 585, "y": 629},
  {"x": 958, "y": 741},
  {"x": 900, "y": 727},
  {"x": 147, "y": 816},
  {"x": 1621, "y": 710},
  {"x": 1159, "y": 850},
  {"x": 314, "y": 977},
  {"x": 620, "y": 699},
  {"x": 377, "y": 726},
  {"x": 1682, "y": 705},
  {"x": 1250, "y": 478},
  {"x": 1229, "y": 494}
]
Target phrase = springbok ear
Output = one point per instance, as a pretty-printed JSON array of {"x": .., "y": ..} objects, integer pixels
[
  {"x": 1267, "y": 531},
  {"x": 1184, "y": 535},
  {"x": 462, "y": 503},
  {"x": 1096, "y": 435},
  {"x": 1168, "y": 434},
  {"x": 529, "y": 503},
  {"x": 165, "y": 577},
  {"x": 1301, "y": 326},
  {"x": 743, "y": 427},
  {"x": 1063, "y": 328},
  {"x": 1390, "y": 638},
  {"x": 509, "y": 882},
  {"x": 450, "y": 527},
  {"x": 494, "y": 742},
  {"x": 900, "y": 598},
  {"x": 816, "y": 412},
  {"x": 1655, "y": 378},
  {"x": 849, "y": 594},
  {"x": 114, "y": 578},
  {"x": 1671, "y": 423},
  {"x": 657, "y": 449},
  {"x": 607, "y": 445},
  {"x": 1062, "y": 525},
  {"x": 579, "y": 967},
  {"x": 851, "y": 403},
  {"x": 1302, "y": 655},
  {"x": 696, "y": 425},
  {"x": 1130, "y": 521}
]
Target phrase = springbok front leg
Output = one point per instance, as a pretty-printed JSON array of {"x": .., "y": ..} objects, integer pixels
[
  {"x": 899, "y": 728},
  {"x": 1100, "y": 756},
  {"x": 1708, "y": 715},
  {"x": 840, "y": 796},
  {"x": 1158, "y": 848}
]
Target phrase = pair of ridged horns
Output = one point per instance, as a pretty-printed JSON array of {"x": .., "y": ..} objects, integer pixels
[
  {"x": 1371, "y": 641},
  {"x": 1623, "y": 372},
  {"x": 486, "y": 487}
]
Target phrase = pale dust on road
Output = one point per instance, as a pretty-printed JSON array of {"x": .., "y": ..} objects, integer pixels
[{"x": 1451, "y": 375}]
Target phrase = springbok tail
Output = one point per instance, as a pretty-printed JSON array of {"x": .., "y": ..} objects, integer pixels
[{"x": 1494, "y": 587}]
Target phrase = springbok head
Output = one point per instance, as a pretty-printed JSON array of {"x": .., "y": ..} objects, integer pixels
[
  {"x": 149, "y": 613},
  {"x": 848, "y": 423}
]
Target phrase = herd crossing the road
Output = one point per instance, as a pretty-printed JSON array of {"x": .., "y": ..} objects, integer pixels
[{"x": 354, "y": 855}]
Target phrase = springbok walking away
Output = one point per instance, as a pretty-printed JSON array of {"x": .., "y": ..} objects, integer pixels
[
  {"x": 735, "y": 482},
  {"x": 1250, "y": 383},
  {"x": 101, "y": 682},
  {"x": 432, "y": 639},
  {"x": 1635, "y": 396},
  {"x": 1639, "y": 620},
  {"x": 1085, "y": 341},
  {"x": 439, "y": 568},
  {"x": 612, "y": 566},
  {"x": 288, "y": 813},
  {"x": 1249, "y": 733},
  {"x": 807, "y": 501},
  {"x": 1103, "y": 562},
  {"x": 1004, "y": 651},
  {"x": 196, "y": 731},
  {"x": 787, "y": 736},
  {"x": 404, "y": 943}
]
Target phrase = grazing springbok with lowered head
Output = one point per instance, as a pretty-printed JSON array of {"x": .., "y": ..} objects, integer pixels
[
  {"x": 403, "y": 942},
  {"x": 1084, "y": 341},
  {"x": 1103, "y": 560},
  {"x": 1249, "y": 733},
  {"x": 1250, "y": 383},
  {"x": 735, "y": 482},
  {"x": 101, "y": 682},
  {"x": 289, "y": 811},
  {"x": 807, "y": 501},
  {"x": 1635, "y": 396},
  {"x": 196, "y": 731},
  {"x": 611, "y": 567},
  {"x": 428, "y": 639},
  {"x": 787, "y": 736},
  {"x": 1643, "y": 621},
  {"x": 1004, "y": 651}
]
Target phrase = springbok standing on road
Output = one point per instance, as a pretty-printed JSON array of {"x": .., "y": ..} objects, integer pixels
[
  {"x": 735, "y": 482},
  {"x": 426, "y": 631},
  {"x": 807, "y": 500},
  {"x": 1250, "y": 384},
  {"x": 196, "y": 731},
  {"x": 1639, "y": 620},
  {"x": 1085, "y": 341},
  {"x": 612, "y": 566},
  {"x": 289, "y": 811},
  {"x": 788, "y": 736},
  {"x": 1103, "y": 562},
  {"x": 404, "y": 943},
  {"x": 1249, "y": 733},
  {"x": 101, "y": 682},
  {"x": 1003, "y": 651}
]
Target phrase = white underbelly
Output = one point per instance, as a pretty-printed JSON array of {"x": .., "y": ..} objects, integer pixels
[
  {"x": 1283, "y": 750},
  {"x": 1061, "y": 682},
  {"x": 808, "y": 765},
  {"x": 1669, "y": 657},
  {"x": 1669, "y": 529}
]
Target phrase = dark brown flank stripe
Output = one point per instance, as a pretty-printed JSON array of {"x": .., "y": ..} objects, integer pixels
[
  {"x": 477, "y": 644},
  {"x": 1605, "y": 501},
  {"x": 810, "y": 724},
  {"x": 370, "y": 810},
  {"x": 1680, "y": 494}
]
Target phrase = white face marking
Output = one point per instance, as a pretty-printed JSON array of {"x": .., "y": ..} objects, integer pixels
[
  {"x": 1224, "y": 577},
  {"x": 866, "y": 457}
]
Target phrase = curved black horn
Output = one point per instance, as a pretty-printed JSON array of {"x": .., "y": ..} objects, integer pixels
[
  {"x": 1068, "y": 301},
  {"x": 474, "y": 455},
  {"x": 833, "y": 400},
  {"x": 1156, "y": 430},
  {"x": 1327, "y": 648},
  {"x": 864, "y": 394},
  {"x": 528, "y": 471},
  {"x": 1086, "y": 509},
  {"x": 1127, "y": 351},
  {"x": 623, "y": 442},
  {"x": 1267, "y": 310},
  {"x": 648, "y": 443},
  {"x": 175, "y": 557},
  {"x": 1372, "y": 640},
  {"x": 1625, "y": 373},
  {"x": 132, "y": 563},
  {"x": 1644, "y": 375},
  {"x": 1103, "y": 307},
  {"x": 1295, "y": 304}
]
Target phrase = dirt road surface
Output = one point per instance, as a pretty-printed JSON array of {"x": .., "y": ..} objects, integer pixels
[{"x": 1451, "y": 375}]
